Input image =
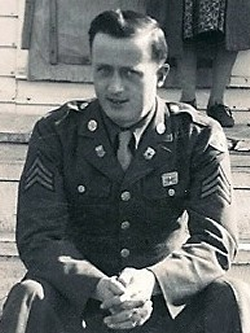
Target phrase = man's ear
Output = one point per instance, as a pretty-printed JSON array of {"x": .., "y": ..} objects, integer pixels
[{"x": 162, "y": 73}]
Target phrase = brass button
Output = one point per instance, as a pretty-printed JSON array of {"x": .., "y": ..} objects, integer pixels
[
  {"x": 125, "y": 196},
  {"x": 174, "y": 108},
  {"x": 92, "y": 125},
  {"x": 125, "y": 253},
  {"x": 160, "y": 128},
  {"x": 171, "y": 192},
  {"x": 125, "y": 225},
  {"x": 81, "y": 188}
]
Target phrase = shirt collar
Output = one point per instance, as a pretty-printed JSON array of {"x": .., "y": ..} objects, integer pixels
[{"x": 137, "y": 129}]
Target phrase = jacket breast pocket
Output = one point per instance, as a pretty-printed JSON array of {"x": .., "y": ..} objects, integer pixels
[
  {"x": 163, "y": 185},
  {"x": 92, "y": 187},
  {"x": 164, "y": 194}
]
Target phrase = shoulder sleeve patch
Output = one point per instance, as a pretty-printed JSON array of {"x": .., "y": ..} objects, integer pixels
[
  {"x": 217, "y": 182},
  {"x": 38, "y": 173}
]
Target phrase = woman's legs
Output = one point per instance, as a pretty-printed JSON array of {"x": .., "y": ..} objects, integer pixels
[
  {"x": 188, "y": 69},
  {"x": 222, "y": 68}
]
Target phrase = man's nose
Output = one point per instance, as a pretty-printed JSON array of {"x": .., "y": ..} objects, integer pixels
[{"x": 116, "y": 83}]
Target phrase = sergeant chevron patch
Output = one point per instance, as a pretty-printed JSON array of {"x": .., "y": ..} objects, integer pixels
[
  {"x": 38, "y": 173},
  {"x": 218, "y": 183}
]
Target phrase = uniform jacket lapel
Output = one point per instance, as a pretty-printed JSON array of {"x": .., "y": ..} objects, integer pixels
[{"x": 95, "y": 145}]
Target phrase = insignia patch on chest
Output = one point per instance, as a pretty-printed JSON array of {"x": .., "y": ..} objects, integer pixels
[
  {"x": 216, "y": 183},
  {"x": 169, "y": 178},
  {"x": 149, "y": 153},
  {"x": 39, "y": 174},
  {"x": 100, "y": 151}
]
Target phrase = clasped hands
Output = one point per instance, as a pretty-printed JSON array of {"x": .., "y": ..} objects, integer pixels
[{"x": 127, "y": 297}]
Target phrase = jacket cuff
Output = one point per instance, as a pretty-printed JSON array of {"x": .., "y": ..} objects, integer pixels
[{"x": 159, "y": 289}]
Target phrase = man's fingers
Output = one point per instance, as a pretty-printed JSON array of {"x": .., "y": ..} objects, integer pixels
[
  {"x": 123, "y": 326},
  {"x": 108, "y": 287},
  {"x": 122, "y": 320},
  {"x": 111, "y": 303},
  {"x": 119, "y": 317},
  {"x": 116, "y": 287},
  {"x": 144, "y": 314},
  {"x": 126, "y": 276},
  {"x": 128, "y": 319},
  {"x": 131, "y": 304},
  {"x": 122, "y": 302}
]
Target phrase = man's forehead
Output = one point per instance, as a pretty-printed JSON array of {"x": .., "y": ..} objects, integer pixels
[
  {"x": 139, "y": 39},
  {"x": 132, "y": 48}
]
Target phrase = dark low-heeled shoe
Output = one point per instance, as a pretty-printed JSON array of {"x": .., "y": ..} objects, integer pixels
[{"x": 222, "y": 114}]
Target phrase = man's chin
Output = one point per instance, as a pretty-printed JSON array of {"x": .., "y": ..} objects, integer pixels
[{"x": 122, "y": 121}]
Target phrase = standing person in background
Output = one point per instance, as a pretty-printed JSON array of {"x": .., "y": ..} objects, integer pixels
[
  {"x": 125, "y": 204},
  {"x": 199, "y": 27}
]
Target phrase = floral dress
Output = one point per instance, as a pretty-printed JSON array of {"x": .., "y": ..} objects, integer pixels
[{"x": 203, "y": 17}]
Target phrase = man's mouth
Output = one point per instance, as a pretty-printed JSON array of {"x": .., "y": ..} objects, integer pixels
[{"x": 116, "y": 101}]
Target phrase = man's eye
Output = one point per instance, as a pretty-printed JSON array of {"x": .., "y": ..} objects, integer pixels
[
  {"x": 132, "y": 73},
  {"x": 103, "y": 70}
]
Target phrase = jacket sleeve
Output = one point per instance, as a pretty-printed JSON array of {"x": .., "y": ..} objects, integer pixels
[
  {"x": 211, "y": 246},
  {"x": 42, "y": 219}
]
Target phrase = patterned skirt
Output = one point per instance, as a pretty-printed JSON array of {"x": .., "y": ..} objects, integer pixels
[{"x": 202, "y": 18}]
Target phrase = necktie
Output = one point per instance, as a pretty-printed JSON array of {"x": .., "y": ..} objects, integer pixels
[{"x": 124, "y": 153}]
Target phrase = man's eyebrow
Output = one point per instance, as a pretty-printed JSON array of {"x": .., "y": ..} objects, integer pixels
[
  {"x": 135, "y": 69},
  {"x": 102, "y": 64},
  {"x": 132, "y": 67}
]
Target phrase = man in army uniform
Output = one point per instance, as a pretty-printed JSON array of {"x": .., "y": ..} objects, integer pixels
[{"x": 124, "y": 211}]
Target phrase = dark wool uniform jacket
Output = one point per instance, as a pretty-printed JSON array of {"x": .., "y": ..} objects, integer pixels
[{"x": 80, "y": 217}]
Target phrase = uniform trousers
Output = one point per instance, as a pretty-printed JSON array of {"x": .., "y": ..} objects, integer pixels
[{"x": 36, "y": 307}]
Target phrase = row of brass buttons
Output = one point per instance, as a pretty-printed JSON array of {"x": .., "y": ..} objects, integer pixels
[{"x": 125, "y": 196}]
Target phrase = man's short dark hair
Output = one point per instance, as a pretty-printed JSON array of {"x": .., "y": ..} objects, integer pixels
[{"x": 122, "y": 24}]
